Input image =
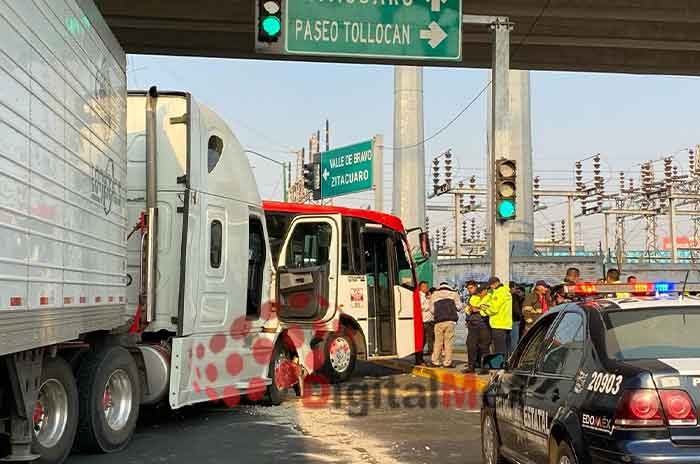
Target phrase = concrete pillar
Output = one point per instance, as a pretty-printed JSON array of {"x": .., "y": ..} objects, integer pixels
[
  {"x": 408, "y": 197},
  {"x": 522, "y": 228}
]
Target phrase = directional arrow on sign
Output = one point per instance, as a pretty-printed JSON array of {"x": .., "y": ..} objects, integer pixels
[
  {"x": 435, "y": 4},
  {"x": 434, "y": 34},
  {"x": 326, "y": 174}
]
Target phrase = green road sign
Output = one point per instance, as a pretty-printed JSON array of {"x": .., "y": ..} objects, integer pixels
[
  {"x": 410, "y": 29},
  {"x": 346, "y": 169}
]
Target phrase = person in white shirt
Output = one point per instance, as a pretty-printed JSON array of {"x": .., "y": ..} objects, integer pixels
[{"x": 428, "y": 319}]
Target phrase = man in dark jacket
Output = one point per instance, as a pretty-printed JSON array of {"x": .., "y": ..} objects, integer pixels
[
  {"x": 518, "y": 297},
  {"x": 478, "y": 330},
  {"x": 445, "y": 305},
  {"x": 536, "y": 303}
]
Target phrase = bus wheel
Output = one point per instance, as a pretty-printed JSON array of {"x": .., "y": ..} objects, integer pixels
[
  {"x": 284, "y": 373},
  {"x": 340, "y": 357},
  {"x": 55, "y": 418},
  {"x": 110, "y": 394}
]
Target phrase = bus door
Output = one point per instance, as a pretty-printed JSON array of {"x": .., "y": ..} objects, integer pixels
[
  {"x": 376, "y": 246},
  {"x": 307, "y": 271},
  {"x": 404, "y": 288},
  {"x": 390, "y": 287}
]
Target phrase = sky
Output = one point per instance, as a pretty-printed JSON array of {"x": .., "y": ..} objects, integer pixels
[{"x": 273, "y": 107}]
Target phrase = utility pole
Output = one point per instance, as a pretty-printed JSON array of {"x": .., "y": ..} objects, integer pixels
[
  {"x": 408, "y": 199},
  {"x": 620, "y": 235},
  {"x": 672, "y": 227},
  {"x": 458, "y": 224},
  {"x": 328, "y": 143},
  {"x": 500, "y": 144},
  {"x": 572, "y": 230},
  {"x": 378, "y": 171}
]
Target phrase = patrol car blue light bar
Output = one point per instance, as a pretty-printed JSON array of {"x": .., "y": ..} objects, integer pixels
[{"x": 664, "y": 287}]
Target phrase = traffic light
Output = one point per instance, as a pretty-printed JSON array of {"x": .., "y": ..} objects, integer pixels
[
  {"x": 269, "y": 20},
  {"x": 505, "y": 190},
  {"x": 308, "y": 176},
  {"x": 312, "y": 179}
]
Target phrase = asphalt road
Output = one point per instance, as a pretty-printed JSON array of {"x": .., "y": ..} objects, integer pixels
[{"x": 379, "y": 416}]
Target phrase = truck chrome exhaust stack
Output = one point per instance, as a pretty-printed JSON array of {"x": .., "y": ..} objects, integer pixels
[{"x": 151, "y": 202}]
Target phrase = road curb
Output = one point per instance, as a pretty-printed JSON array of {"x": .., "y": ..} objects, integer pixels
[{"x": 444, "y": 376}]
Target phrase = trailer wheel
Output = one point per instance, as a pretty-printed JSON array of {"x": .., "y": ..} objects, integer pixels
[
  {"x": 110, "y": 394},
  {"x": 55, "y": 418},
  {"x": 341, "y": 355}
]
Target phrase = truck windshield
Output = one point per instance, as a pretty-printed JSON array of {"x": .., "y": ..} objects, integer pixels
[{"x": 651, "y": 333}]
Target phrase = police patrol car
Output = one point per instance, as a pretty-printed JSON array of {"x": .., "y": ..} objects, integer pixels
[{"x": 601, "y": 380}]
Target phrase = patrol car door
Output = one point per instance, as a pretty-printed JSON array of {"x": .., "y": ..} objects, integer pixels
[
  {"x": 551, "y": 385},
  {"x": 512, "y": 395},
  {"x": 307, "y": 270}
]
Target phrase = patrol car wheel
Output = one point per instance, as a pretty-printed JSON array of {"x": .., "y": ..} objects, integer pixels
[
  {"x": 565, "y": 455},
  {"x": 490, "y": 445}
]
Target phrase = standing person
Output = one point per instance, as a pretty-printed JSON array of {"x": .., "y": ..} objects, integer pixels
[
  {"x": 536, "y": 303},
  {"x": 445, "y": 304},
  {"x": 500, "y": 313},
  {"x": 612, "y": 276},
  {"x": 478, "y": 330},
  {"x": 472, "y": 288},
  {"x": 559, "y": 296},
  {"x": 573, "y": 276},
  {"x": 428, "y": 322},
  {"x": 517, "y": 294}
]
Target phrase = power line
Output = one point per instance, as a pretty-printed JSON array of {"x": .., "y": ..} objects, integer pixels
[{"x": 481, "y": 92}]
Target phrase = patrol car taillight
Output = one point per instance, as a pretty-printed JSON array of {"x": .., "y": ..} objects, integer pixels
[
  {"x": 639, "y": 408},
  {"x": 678, "y": 407}
]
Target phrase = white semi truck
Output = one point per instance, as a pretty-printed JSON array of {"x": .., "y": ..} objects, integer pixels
[
  {"x": 136, "y": 257},
  {"x": 134, "y": 265}
]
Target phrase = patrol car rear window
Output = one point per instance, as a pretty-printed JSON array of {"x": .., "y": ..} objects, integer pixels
[{"x": 653, "y": 333}]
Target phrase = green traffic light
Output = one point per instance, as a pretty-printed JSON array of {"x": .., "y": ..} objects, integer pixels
[
  {"x": 506, "y": 209},
  {"x": 271, "y": 25}
]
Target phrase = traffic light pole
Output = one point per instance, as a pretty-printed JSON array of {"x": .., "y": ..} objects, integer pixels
[
  {"x": 279, "y": 163},
  {"x": 499, "y": 238},
  {"x": 458, "y": 224}
]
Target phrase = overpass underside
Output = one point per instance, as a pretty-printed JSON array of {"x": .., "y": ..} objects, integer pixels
[{"x": 631, "y": 36}]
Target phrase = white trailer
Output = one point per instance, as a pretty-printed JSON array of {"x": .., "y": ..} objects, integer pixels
[{"x": 134, "y": 260}]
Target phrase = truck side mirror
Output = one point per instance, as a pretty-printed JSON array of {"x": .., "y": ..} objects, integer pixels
[{"x": 424, "y": 244}]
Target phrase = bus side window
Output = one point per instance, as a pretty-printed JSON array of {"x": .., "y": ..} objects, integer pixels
[
  {"x": 346, "y": 248},
  {"x": 256, "y": 266},
  {"x": 357, "y": 246},
  {"x": 403, "y": 260}
]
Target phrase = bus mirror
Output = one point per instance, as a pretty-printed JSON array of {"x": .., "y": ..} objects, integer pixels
[{"x": 424, "y": 244}]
